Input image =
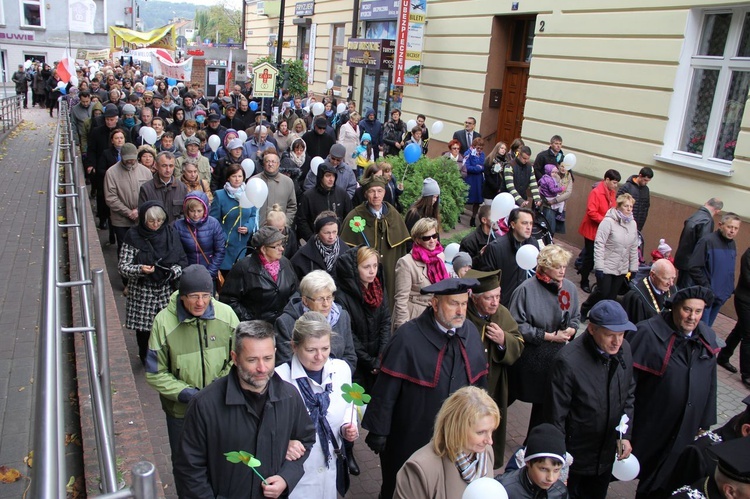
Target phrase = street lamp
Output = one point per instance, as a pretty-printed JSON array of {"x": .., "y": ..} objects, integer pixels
[{"x": 280, "y": 42}]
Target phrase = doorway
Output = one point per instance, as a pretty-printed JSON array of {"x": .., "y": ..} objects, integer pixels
[{"x": 520, "y": 41}]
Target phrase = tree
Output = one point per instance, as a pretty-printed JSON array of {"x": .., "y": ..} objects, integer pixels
[{"x": 219, "y": 18}]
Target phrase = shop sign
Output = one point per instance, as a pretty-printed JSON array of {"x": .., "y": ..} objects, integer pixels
[{"x": 372, "y": 54}]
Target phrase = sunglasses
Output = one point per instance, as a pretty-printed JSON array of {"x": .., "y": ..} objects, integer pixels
[{"x": 427, "y": 238}]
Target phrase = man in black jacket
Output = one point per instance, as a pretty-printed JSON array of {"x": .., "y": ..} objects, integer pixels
[
  {"x": 475, "y": 241},
  {"x": 318, "y": 142},
  {"x": 647, "y": 297},
  {"x": 637, "y": 186},
  {"x": 253, "y": 410},
  {"x": 325, "y": 196},
  {"x": 699, "y": 224},
  {"x": 591, "y": 387},
  {"x": 554, "y": 155}
]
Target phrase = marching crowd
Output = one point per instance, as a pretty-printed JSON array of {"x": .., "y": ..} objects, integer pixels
[{"x": 273, "y": 279}]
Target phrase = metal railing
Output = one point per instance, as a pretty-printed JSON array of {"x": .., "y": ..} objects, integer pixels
[
  {"x": 67, "y": 196},
  {"x": 10, "y": 112}
]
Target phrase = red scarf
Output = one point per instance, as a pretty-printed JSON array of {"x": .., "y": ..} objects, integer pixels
[
  {"x": 436, "y": 270},
  {"x": 547, "y": 281},
  {"x": 273, "y": 268},
  {"x": 373, "y": 294}
]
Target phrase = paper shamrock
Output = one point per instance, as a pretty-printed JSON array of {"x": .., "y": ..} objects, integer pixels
[
  {"x": 623, "y": 426},
  {"x": 355, "y": 394},
  {"x": 357, "y": 224},
  {"x": 246, "y": 458}
]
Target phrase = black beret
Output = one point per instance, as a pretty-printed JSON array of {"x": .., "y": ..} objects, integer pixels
[
  {"x": 697, "y": 292},
  {"x": 733, "y": 458},
  {"x": 452, "y": 286}
]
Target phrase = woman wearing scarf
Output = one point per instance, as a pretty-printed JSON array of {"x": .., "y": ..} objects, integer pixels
[
  {"x": 322, "y": 250},
  {"x": 283, "y": 137},
  {"x": 237, "y": 222},
  {"x": 151, "y": 259},
  {"x": 460, "y": 450},
  {"x": 425, "y": 265},
  {"x": 319, "y": 380},
  {"x": 316, "y": 293},
  {"x": 546, "y": 310},
  {"x": 260, "y": 285},
  {"x": 104, "y": 162},
  {"x": 615, "y": 252},
  {"x": 192, "y": 180},
  {"x": 178, "y": 122},
  {"x": 295, "y": 164},
  {"x": 188, "y": 129}
]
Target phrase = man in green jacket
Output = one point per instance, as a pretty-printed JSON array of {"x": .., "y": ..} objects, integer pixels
[{"x": 189, "y": 347}]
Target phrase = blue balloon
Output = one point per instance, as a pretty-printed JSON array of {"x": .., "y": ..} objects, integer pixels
[
  {"x": 171, "y": 82},
  {"x": 412, "y": 153},
  {"x": 253, "y": 106},
  {"x": 63, "y": 90}
]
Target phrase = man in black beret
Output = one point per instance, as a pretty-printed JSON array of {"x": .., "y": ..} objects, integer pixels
[
  {"x": 424, "y": 362},
  {"x": 731, "y": 480},
  {"x": 674, "y": 361}
]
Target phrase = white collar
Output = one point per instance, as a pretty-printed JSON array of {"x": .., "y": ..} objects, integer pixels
[{"x": 298, "y": 371}]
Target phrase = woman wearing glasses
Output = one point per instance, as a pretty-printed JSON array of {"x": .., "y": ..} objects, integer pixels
[
  {"x": 317, "y": 294},
  {"x": 425, "y": 265},
  {"x": 260, "y": 285}
]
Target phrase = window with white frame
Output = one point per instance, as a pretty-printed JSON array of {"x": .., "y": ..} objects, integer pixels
[
  {"x": 32, "y": 13},
  {"x": 716, "y": 82},
  {"x": 338, "y": 40}
]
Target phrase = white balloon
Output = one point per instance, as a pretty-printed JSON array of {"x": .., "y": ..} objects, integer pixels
[
  {"x": 148, "y": 134},
  {"x": 341, "y": 108},
  {"x": 27, "y": 64},
  {"x": 314, "y": 164},
  {"x": 569, "y": 161},
  {"x": 437, "y": 127},
  {"x": 318, "y": 108},
  {"x": 501, "y": 206},
  {"x": 214, "y": 142},
  {"x": 451, "y": 251},
  {"x": 244, "y": 201},
  {"x": 526, "y": 256},
  {"x": 485, "y": 488},
  {"x": 306, "y": 109},
  {"x": 329, "y": 84},
  {"x": 248, "y": 165},
  {"x": 256, "y": 191},
  {"x": 61, "y": 84},
  {"x": 410, "y": 124},
  {"x": 74, "y": 80},
  {"x": 627, "y": 469},
  {"x": 242, "y": 135}
]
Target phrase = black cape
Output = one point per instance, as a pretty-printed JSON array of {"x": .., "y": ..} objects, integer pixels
[{"x": 641, "y": 302}]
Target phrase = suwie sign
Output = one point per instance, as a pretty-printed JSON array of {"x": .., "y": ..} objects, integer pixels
[
  {"x": 373, "y": 54},
  {"x": 11, "y": 35}
]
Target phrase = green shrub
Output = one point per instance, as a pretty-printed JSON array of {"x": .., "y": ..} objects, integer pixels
[{"x": 453, "y": 189}]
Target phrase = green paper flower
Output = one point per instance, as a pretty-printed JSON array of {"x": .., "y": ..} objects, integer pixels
[
  {"x": 242, "y": 457},
  {"x": 355, "y": 394},
  {"x": 357, "y": 224}
]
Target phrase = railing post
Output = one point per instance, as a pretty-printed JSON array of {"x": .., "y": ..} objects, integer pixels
[{"x": 144, "y": 480}]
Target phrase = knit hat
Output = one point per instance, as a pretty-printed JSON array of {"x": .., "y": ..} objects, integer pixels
[
  {"x": 196, "y": 279},
  {"x": 545, "y": 440},
  {"x": 337, "y": 151},
  {"x": 265, "y": 236},
  {"x": 374, "y": 181},
  {"x": 110, "y": 110},
  {"x": 663, "y": 247},
  {"x": 234, "y": 144},
  {"x": 430, "y": 187},
  {"x": 193, "y": 140},
  {"x": 461, "y": 260},
  {"x": 128, "y": 109},
  {"x": 128, "y": 151},
  {"x": 365, "y": 137}
]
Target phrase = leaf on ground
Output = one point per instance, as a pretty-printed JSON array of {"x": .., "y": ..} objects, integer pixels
[
  {"x": 72, "y": 438},
  {"x": 9, "y": 475},
  {"x": 29, "y": 459}
]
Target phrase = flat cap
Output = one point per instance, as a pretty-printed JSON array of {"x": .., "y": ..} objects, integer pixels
[{"x": 733, "y": 458}]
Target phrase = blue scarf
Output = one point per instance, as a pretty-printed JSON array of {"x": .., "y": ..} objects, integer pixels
[{"x": 317, "y": 404}]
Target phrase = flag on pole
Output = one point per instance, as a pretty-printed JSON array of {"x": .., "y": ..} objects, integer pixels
[
  {"x": 230, "y": 74},
  {"x": 65, "y": 68},
  {"x": 81, "y": 15}
]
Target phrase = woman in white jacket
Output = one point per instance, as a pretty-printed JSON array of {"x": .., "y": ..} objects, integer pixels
[
  {"x": 349, "y": 137},
  {"x": 319, "y": 379}
]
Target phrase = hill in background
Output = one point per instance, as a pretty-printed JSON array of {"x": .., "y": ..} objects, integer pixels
[{"x": 155, "y": 14}]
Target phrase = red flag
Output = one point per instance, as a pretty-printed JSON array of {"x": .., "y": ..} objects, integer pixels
[
  {"x": 230, "y": 74},
  {"x": 64, "y": 68}
]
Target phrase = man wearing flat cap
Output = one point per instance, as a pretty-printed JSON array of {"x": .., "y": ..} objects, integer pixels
[
  {"x": 674, "y": 361},
  {"x": 731, "y": 480},
  {"x": 319, "y": 142},
  {"x": 590, "y": 387},
  {"x": 426, "y": 360},
  {"x": 503, "y": 345}
]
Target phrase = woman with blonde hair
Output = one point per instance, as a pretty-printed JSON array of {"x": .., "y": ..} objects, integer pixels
[
  {"x": 460, "y": 450},
  {"x": 276, "y": 217}
]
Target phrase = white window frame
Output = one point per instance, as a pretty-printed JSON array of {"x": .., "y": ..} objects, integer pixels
[
  {"x": 678, "y": 109},
  {"x": 42, "y": 8},
  {"x": 330, "y": 55},
  {"x": 2, "y": 14}
]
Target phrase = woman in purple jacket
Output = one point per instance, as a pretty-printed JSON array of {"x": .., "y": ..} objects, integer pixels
[{"x": 201, "y": 235}]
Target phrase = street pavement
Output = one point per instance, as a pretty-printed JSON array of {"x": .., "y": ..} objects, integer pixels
[{"x": 24, "y": 165}]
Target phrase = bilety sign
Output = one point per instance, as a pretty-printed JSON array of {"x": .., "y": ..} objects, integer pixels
[
  {"x": 409, "y": 42},
  {"x": 373, "y": 54},
  {"x": 302, "y": 9}
]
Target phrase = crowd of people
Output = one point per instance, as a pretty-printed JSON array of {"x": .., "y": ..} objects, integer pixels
[{"x": 253, "y": 322}]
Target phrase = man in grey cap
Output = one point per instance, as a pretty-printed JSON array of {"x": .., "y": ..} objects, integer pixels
[
  {"x": 590, "y": 387},
  {"x": 193, "y": 151},
  {"x": 345, "y": 177},
  {"x": 426, "y": 360},
  {"x": 189, "y": 347}
]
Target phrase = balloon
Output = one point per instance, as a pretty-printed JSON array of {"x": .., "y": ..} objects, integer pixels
[
  {"x": 253, "y": 106},
  {"x": 314, "y": 164},
  {"x": 451, "y": 251},
  {"x": 569, "y": 161},
  {"x": 242, "y": 135},
  {"x": 148, "y": 134},
  {"x": 329, "y": 84},
  {"x": 27, "y": 64},
  {"x": 412, "y": 153},
  {"x": 244, "y": 201},
  {"x": 63, "y": 90},
  {"x": 437, "y": 127},
  {"x": 410, "y": 124},
  {"x": 341, "y": 108},
  {"x": 61, "y": 85},
  {"x": 318, "y": 109},
  {"x": 627, "y": 469},
  {"x": 249, "y": 166},
  {"x": 214, "y": 142},
  {"x": 256, "y": 191},
  {"x": 526, "y": 256},
  {"x": 502, "y": 205},
  {"x": 483, "y": 488},
  {"x": 74, "y": 80},
  {"x": 306, "y": 109},
  {"x": 171, "y": 82}
]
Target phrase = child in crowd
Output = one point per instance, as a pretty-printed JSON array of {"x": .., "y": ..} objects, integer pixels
[
  {"x": 662, "y": 251},
  {"x": 550, "y": 186},
  {"x": 364, "y": 155}
]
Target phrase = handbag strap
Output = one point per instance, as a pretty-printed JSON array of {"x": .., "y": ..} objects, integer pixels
[{"x": 198, "y": 244}]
